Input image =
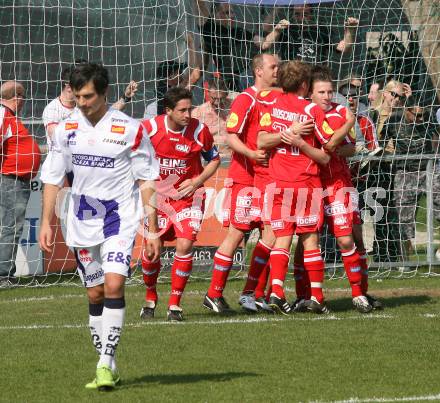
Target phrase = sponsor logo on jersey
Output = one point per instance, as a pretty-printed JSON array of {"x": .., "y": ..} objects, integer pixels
[
  {"x": 171, "y": 163},
  {"x": 278, "y": 224},
  {"x": 265, "y": 120},
  {"x": 289, "y": 116},
  {"x": 71, "y": 126},
  {"x": 189, "y": 213},
  {"x": 341, "y": 220},
  {"x": 232, "y": 120},
  {"x": 84, "y": 256},
  {"x": 184, "y": 148},
  {"x": 118, "y": 129},
  {"x": 244, "y": 201},
  {"x": 264, "y": 94},
  {"x": 71, "y": 139},
  {"x": 309, "y": 220},
  {"x": 327, "y": 129},
  {"x": 195, "y": 225},
  {"x": 93, "y": 161},
  {"x": 279, "y": 127},
  {"x": 174, "y": 139},
  {"x": 115, "y": 120},
  {"x": 94, "y": 276},
  {"x": 334, "y": 209},
  {"x": 113, "y": 141}
]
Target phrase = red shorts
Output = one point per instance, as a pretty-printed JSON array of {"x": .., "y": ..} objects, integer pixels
[
  {"x": 180, "y": 218},
  {"x": 259, "y": 211},
  {"x": 341, "y": 208},
  {"x": 295, "y": 208},
  {"x": 238, "y": 209}
]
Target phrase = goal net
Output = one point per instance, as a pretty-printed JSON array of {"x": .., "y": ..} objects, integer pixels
[{"x": 158, "y": 44}]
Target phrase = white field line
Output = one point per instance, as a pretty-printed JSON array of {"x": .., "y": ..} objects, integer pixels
[
  {"x": 217, "y": 322},
  {"x": 384, "y": 399},
  {"x": 189, "y": 292}
]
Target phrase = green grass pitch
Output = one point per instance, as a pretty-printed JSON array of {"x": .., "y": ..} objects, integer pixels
[{"x": 392, "y": 355}]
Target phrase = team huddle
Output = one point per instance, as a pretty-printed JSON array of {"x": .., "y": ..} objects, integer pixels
[{"x": 287, "y": 175}]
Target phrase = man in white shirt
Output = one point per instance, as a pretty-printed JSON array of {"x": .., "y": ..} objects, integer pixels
[{"x": 111, "y": 157}]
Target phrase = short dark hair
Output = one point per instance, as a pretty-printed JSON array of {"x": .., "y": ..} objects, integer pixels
[
  {"x": 85, "y": 72},
  {"x": 217, "y": 84},
  {"x": 292, "y": 74},
  {"x": 65, "y": 74},
  {"x": 321, "y": 73},
  {"x": 174, "y": 95}
]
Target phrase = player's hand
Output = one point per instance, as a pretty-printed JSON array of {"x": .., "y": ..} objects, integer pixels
[
  {"x": 187, "y": 187},
  {"x": 291, "y": 138},
  {"x": 131, "y": 89},
  {"x": 283, "y": 24},
  {"x": 45, "y": 238},
  {"x": 303, "y": 128},
  {"x": 261, "y": 157},
  {"x": 351, "y": 117},
  {"x": 407, "y": 90},
  {"x": 152, "y": 248},
  {"x": 352, "y": 22}
]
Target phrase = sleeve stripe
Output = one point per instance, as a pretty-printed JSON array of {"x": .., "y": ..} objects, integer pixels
[
  {"x": 2, "y": 115},
  {"x": 322, "y": 139},
  {"x": 138, "y": 139},
  {"x": 197, "y": 132},
  {"x": 153, "y": 124},
  {"x": 51, "y": 123},
  {"x": 247, "y": 113}
]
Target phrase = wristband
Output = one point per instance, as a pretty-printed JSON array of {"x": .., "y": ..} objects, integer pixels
[{"x": 126, "y": 99}]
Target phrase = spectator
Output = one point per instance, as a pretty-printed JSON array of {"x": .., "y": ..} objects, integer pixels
[
  {"x": 227, "y": 45},
  {"x": 413, "y": 134},
  {"x": 172, "y": 73},
  {"x": 20, "y": 160},
  {"x": 386, "y": 246},
  {"x": 306, "y": 40},
  {"x": 214, "y": 114},
  {"x": 62, "y": 106},
  {"x": 374, "y": 91}
]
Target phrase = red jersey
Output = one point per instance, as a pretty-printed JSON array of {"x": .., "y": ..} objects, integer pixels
[
  {"x": 20, "y": 154},
  {"x": 179, "y": 153},
  {"x": 368, "y": 130},
  {"x": 338, "y": 166},
  {"x": 287, "y": 163},
  {"x": 243, "y": 121}
]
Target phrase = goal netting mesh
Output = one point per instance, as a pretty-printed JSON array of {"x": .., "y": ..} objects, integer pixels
[{"x": 177, "y": 42}]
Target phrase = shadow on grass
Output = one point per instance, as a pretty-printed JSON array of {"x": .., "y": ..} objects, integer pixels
[
  {"x": 171, "y": 379},
  {"x": 345, "y": 304}
]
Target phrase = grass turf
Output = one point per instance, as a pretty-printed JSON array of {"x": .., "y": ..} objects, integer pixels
[{"x": 47, "y": 355}]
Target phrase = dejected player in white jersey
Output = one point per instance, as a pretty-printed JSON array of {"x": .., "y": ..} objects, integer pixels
[{"x": 111, "y": 157}]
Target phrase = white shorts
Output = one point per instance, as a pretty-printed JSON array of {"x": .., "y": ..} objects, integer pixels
[{"x": 111, "y": 256}]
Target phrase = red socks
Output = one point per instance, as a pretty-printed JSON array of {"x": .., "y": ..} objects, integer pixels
[
  {"x": 180, "y": 272},
  {"x": 150, "y": 271},
  {"x": 262, "y": 282},
  {"x": 260, "y": 257},
  {"x": 364, "y": 272},
  {"x": 279, "y": 261},
  {"x": 352, "y": 266},
  {"x": 220, "y": 272},
  {"x": 314, "y": 265}
]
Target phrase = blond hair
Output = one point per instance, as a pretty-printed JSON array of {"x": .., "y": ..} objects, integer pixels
[{"x": 389, "y": 86}]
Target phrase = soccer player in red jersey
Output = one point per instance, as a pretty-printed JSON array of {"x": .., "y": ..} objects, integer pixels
[
  {"x": 179, "y": 142},
  {"x": 296, "y": 201},
  {"x": 341, "y": 199},
  {"x": 242, "y": 127}
]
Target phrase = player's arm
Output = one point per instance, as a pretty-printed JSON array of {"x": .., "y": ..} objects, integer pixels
[
  {"x": 236, "y": 145},
  {"x": 345, "y": 45},
  {"x": 129, "y": 93},
  {"x": 326, "y": 135},
  {"x": 316, "y": 154},
  {"x": 267, "y": 141},
  {"x": 211, "y": 155},
  {"x": 52, "y": 175}
]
